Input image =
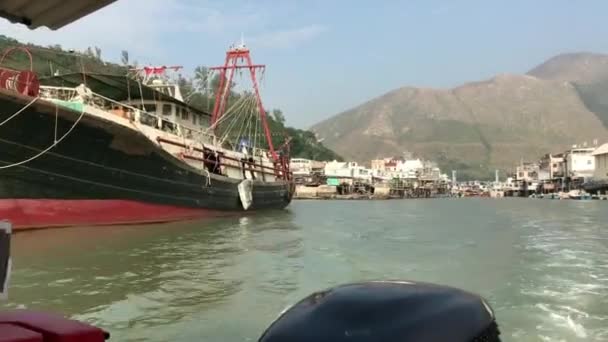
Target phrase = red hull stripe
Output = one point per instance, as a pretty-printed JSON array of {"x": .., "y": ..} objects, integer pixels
[{"x": 44, "y": 213}]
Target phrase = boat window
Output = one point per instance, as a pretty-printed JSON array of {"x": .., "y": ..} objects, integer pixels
[
  {"x": 150, "y": 108},
  {"x": 166, "y": 109},
  {"x": 185, "y": 113}
]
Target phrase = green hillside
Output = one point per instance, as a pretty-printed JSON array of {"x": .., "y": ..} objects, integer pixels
[{"x": 52, "y": 59}]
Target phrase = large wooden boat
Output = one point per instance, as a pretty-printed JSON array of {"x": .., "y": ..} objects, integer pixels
[{"x": 90, "y": 149}]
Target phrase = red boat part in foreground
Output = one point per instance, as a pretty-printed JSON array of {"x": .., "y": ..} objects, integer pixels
[
  {"x": 43, "y": 213},
  {"x": 32, "y": 326}
]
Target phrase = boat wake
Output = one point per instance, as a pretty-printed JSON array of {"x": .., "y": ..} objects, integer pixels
[{"x": 567, "y": 284}]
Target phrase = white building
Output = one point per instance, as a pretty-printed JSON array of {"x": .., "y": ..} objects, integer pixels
[
  {"x": 580, "y": 162},
  {"x": 527, "y": 172},
  {"x": 336, "y": 169},
  {"x": 304, "y": 167},
  {"x": 601, "y": 163},
  {"x": 409, "y": 168},
  {"x": 551, "y": 166}
]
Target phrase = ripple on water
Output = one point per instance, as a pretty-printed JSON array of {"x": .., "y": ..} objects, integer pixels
[
  {"x": 542, "y": 266},
  {"x": 568, "y": 284}
]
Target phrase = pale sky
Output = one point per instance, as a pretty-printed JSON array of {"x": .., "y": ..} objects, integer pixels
[{"x": 326, "y": 56}]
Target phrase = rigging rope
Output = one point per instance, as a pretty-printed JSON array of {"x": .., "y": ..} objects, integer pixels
[
  {"x": 243, "y": 127},
  {"x": 48, "y": 148},
  {"x": 226, "y": 114},
  {"x": 235, "y": 118},
  {"x": 19, "y": 111},
  {"x": 247, "y": 115}
]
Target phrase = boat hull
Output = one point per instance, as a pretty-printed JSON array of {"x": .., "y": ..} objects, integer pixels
[
  {"x": 45, "y": 213},
  {"x": 105, "y": 173}
]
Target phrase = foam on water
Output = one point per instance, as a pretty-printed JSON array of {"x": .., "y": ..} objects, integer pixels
[{"x": 569, "y": 284}]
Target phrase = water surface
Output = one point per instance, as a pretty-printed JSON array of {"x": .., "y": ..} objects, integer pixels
[{"x": 542, "y": 264}]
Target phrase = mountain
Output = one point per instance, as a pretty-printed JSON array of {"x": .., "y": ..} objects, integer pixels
[
  {"x": 479, "y": 126},
  {"x": 574, "y": 67},
  {"x": 587, "y": 72}
]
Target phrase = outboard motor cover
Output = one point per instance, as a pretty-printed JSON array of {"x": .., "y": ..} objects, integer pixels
[{"x": 386, "y": 311}]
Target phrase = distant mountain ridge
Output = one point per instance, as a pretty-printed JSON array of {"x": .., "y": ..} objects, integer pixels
[
  {"x": 581, "y": 67},
  {"x": 481, "y": 125}
]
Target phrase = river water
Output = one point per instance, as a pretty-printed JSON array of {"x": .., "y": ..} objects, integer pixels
[{"x": 542, "y": 264}]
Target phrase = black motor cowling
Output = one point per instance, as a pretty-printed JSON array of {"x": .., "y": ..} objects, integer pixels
[{"x": 387, "y": 311}]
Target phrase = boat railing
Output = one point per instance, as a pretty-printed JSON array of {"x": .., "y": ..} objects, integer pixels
[
  {"x": 135, "y": 114},
  {"x": 129, "y": 112}
]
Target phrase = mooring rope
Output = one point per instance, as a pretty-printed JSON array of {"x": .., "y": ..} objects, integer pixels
[
  {"x": 57, "y": 141},
  {"x": 19, "y": 111}
]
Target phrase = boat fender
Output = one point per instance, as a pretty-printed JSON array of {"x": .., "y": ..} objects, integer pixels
[{"x": 245, "y": 193}]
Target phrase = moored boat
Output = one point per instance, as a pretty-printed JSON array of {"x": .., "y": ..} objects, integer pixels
[
  {"x": 92, "y": 149},
  {"x": 579, "y": 195}
]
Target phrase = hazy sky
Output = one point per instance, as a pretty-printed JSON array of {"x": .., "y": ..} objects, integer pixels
[{"x": 326, "y": 56}]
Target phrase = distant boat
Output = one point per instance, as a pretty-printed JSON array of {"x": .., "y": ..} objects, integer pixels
[{"x": 579, "y": 195}]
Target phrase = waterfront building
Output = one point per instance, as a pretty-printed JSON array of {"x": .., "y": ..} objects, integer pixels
[
  {"x": 305, "y": 167},
  {"x": 599, "y": 182},
  {"x": 579, "y": 162},
  {"x": 306, "y": 171},
  {"x": 527, "y": 171},
  {"x": 600, "y": 155},
  {"x": 346, "y": 170}
]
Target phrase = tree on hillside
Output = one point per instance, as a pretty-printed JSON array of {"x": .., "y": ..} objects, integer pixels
[
  {"x": 124, "y": 57},
  {"x": 277, "y": 114},
  {"x": 201, "y": 79}
]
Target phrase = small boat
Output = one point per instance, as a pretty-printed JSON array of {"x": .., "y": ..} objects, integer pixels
[
  {"x": 579, "y": 195},
  {"x": 552, "y": 196}
]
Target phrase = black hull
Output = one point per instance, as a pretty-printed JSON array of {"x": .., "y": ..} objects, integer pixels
[{"x": 104, "y": 160}]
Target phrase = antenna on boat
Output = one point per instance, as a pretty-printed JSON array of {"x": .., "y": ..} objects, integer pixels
[{"x": 237, "y": 58}]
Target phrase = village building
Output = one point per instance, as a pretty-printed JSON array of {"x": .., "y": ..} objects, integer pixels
[
  {"x": 600, "y": 155},
  {"x": 579, "y": 162},
  {"x": 338, "y": 172},
  {"x": 306, "y": 171}
]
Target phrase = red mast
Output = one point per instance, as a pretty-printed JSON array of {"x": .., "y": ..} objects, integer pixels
[{"x": 238, "y": 57}]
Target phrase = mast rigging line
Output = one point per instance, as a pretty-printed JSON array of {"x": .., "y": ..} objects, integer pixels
[
  {"x": 231, "y": 64},
  {"x": 248, "y": 102},
  {"x": 234, "y": 112}
]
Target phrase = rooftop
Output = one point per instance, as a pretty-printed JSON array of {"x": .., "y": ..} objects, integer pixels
[{"x": 600, "y": 150}]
